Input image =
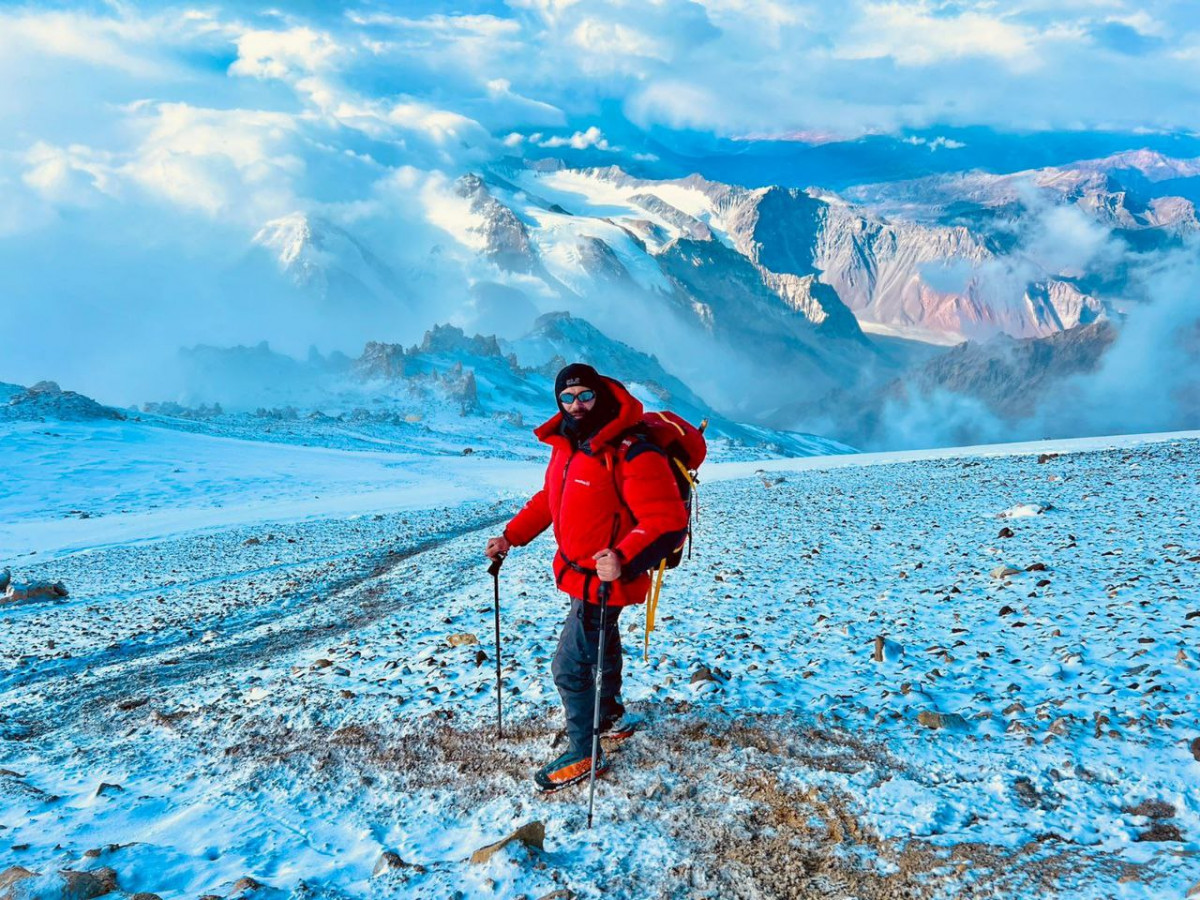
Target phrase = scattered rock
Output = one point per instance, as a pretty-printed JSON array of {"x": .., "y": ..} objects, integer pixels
[
  {"x": 1195, "y": 748},
  {"x": 1161, "y": 831},
  {"x": 1027, "y": 794},
  {"x": 244, "y": 885},
  {"x": 145, "y": 895},
  {"x": 656, "y": 791},
  {"x": 11, "y": 876},
  {"x": 251, "y": 542},
  {"x": 704, "y": 673},
  {"x": 560, "y": 894},
  {"x": 887, "y": 650},
  {"x": 1151, "y": 809},
  {"x": 1060, "y": 726},
  {"x": 34, "y": 591},
  {"x": 322, "y": 664},
  {"x": 391, "y": 862},
  {"x": 462, "y": 640},
  {"x": 1046, "y": 457},
  {"x": 5, "y": 580},
  {"x": 105, "y": 789},
  {"x": 1006, "y": 532},
  {"x": 532, "y": 834},
  {"x": 1006, "y": 610},
  {"x": 942, "y": 721},
  {"x": 86, "y": 885},
  {"x": 480, "y": 657},
  {"x": 1036, "y": 567},
  {"x": 132, "y": 703},
  {"x": 387, "y": 862}
]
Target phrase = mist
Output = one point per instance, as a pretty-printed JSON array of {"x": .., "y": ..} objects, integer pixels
[{"x": 1147, "y": 380}]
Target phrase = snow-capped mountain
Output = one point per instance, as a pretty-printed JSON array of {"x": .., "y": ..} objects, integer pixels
[
  {"x": 319, "y": 256},
  {"x": 1138, "y": 190},
  {"x": 729, "y": 287},
  {"x": 827, "y": 268}
]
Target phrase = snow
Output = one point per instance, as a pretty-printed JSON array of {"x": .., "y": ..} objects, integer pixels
[
  {"x": 255, "y": 649},
  {"x": 583, "y": 194}
]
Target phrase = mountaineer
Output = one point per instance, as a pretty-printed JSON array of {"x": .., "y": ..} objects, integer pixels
[{"x": 617, "y": 512}]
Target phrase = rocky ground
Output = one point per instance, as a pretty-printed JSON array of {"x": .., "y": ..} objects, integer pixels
[{"x": 967, "y": 677}]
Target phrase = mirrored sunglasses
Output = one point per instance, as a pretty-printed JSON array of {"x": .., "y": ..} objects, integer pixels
[{"x": 583, "y": 396}]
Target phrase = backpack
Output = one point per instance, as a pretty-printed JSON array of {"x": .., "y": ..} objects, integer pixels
[{"x": 685, "y": 448}]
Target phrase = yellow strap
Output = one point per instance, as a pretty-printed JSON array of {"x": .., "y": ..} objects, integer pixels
[
  {"x": 652, "y": 607},
  {"x": 686, "y": 474}
]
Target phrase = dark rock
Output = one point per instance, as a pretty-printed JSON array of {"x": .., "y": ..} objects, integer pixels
[
  {"x": 11, "y": 876},
  {"x": 1027, "y": 794},
  {"x": 34, "y": 591},
  {"x": 390, "y": 862},
  {"x": 704, "y": 673},
  {"x": 1151, "y": 809},
  {"x": 942, "y": 721},
  {"x": 1161, "y": 831},
  {"x": 532, "y": 834},
  {"x": 1006, "y": 532},
  {"x": 1195, "y": 748},
  {"x": 245, "y": 885},
  {"x": 86, "y": 885}
]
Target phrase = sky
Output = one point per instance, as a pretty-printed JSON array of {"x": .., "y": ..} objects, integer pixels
[{"x": 145, "y": 144}]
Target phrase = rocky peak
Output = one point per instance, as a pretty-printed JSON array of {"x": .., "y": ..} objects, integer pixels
[
  {"x": 380, "y": 360},
  {"x": 505, "y": 238},
  {"x": 451, "y": 339}
]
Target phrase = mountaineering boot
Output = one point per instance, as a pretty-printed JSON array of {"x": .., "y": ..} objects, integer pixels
[
  {"x": 624, "y": 726},
  {"x": 568, "y": 769}
]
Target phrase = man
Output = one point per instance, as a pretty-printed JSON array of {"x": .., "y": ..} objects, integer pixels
[{"x": 616, "y": 512}]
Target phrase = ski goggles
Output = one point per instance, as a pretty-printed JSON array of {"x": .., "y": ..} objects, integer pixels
[{"x": 582, "y": 397}]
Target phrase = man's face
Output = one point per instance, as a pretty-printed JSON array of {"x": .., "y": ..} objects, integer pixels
[{"x": 577, "y": 408}]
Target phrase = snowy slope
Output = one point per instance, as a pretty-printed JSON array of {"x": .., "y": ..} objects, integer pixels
[
  {"x": 280, "y": 701},
  {"x": 805, "y": 242}
]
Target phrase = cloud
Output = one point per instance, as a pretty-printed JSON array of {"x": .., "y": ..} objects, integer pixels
[
  {"x": 580, "y": 140},
  {"x": 286, "y": 54},
  {"x": 918, "y": 34},
  {"x": 169, "y": 127},
  {"x": 936, "y": 143}
]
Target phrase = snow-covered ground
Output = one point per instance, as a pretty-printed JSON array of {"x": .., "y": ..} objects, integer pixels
[{"x": 252, "y": 676}]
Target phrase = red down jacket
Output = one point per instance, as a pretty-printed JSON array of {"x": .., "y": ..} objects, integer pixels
[{"x": 580, "y": 499}]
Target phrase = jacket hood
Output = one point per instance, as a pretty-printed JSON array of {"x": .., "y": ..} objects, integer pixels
[{"x": 629, "y": 413}]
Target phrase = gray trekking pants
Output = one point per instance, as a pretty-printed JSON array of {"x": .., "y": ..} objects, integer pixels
[{"x": 574, "y": 672}]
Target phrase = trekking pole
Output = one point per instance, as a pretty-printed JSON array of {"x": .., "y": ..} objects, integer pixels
[
  {"x": 604, "y": 589},
  {"x": 494, "y": 571}
]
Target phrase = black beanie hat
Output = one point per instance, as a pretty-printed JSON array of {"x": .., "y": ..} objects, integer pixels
[
  {"x": 575, "y": 375},
  {"x": 583, "y": 375}
]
